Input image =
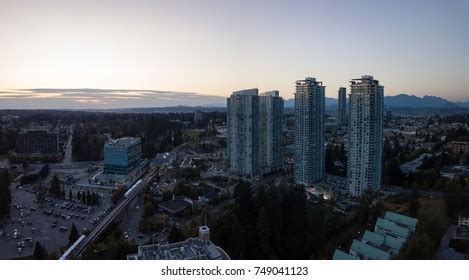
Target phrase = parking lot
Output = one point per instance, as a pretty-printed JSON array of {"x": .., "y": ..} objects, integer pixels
[{"x": 49, "y": 225}]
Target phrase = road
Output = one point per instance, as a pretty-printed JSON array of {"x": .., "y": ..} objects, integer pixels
[{"x": 103, "y": 225}]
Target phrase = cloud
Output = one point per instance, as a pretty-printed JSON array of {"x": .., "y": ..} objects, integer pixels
[{"x": 87, "y": 98}]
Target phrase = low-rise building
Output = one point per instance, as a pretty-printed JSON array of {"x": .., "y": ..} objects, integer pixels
[
  {"x": 200, "y": 248},
  {"x": 176, "y": 206},
  {"x": 454, "y": 171},
  {"x": 388, "y": 238},
  {"x": 412, "y": 166}
]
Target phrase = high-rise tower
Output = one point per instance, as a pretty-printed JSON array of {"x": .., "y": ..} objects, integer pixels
[
  {"x": 341, "y": 117},
  {"x": 309, "y": 131},
  {"x": 365, "y": 144},
  {"x": 243, "y": 133},
  {"x": 270, "y": 126}
]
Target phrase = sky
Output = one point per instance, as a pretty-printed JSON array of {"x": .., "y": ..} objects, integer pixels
[{"x": 206, "y": 49}]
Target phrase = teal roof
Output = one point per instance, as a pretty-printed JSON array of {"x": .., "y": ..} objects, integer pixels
[
  {"x": 379, "y": 239},
  {"x": 393, "y": 242},
  {"x": 401, "y": 219},
  {"x": 369, "y": 251},
  {"x": 373, "y": 237},
  {"x": 340, "y": 255},
  {"x": 392, "y": 227}
]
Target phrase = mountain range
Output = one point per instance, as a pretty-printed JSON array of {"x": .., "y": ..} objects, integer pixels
[{"x": 403, "y": 101}]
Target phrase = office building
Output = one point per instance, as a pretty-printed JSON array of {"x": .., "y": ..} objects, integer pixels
[
  {"x": 123, "y": 155},
  {"x": 365, "y": 143},
  {"x": 243, "y": 133},
  {"x": 200, "y": 248},
  {"x": 270, "y": 126},
  {"x": 309, "y": 131},
  {"x": 341, "y": 117}
]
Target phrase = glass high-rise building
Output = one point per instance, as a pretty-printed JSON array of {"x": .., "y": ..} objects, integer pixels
[
  {"x": 122, "y": 155},
  {"x": 270, "y": 126},
  {"x": 341, "y": 117},
  {"x": 243, "y": 137},
  {"x": 365, "y": 143},
  {"x": 309, "y": 131}
]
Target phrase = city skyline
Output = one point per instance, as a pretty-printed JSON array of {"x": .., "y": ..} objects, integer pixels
[{"x": 417, "y": 48}]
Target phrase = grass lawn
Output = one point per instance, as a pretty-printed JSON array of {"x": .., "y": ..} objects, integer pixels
[{"x": 192, "y": 134}]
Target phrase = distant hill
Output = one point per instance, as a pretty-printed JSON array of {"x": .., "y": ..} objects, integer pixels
[
  {"x": 464, "y": 104},
  {"x": 402, "y": 101},
  {"x": 412, "y": 101}
]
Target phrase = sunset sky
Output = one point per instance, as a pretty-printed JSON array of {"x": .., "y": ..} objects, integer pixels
[{"x": 210, "y": 47}]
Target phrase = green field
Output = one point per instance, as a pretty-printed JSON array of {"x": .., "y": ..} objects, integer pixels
[{"x": 192, "y": 134}]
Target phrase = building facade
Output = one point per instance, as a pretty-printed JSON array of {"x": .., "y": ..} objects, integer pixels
[
  {"x": 122, "y": 155},
  {"x": 243, "y": 137},
  {"x": 341, "y": 117},
  {"x": 270, "y": 126},
  {"x": 309, "y": 131},
  {"x": 365, "y": 143}
]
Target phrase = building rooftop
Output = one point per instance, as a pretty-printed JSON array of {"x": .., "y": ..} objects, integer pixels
[
  {"x": 191, "y": 249},
  {"x": 200, "y": 248},
  {"x": 368, "y": 251},
  {"x": 273, "y": 93},
  {"x": 388, "y": 239},
  {"x": 401, "y": 219},
  {"x": 124, "y": 142},
  {"x": 247, "y": 92},
  {"x": 392, "y": 228},
  {"x": 341, "y": 255},
  {"x": 174, "y": 206},
  {"x": 386, "y": 242},
  {"x": 308, "y": 80},
  {"x": 365, "y": 79}
]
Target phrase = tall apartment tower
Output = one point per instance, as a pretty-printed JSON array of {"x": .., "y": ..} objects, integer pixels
[
  {"x": 341, "y": 117},
  {"x": 270, "y": 126},
  {"x": 243, "y": 133},
  {"x": 309, "y": 131},
  {"x": 365, "y": 146}
]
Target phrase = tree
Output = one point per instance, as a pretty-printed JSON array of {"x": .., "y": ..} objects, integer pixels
[
  {"x": 414, "y": 204},
  {"x": 118, "y": 195},
  {"x": 40, "y": 253},
  {"x": 41, "y": 196},
  {"x": 166, "y": 196},
  {"x": 176, "y": 235},
  {"x": 148, "y": 149},
  {"x": 55, "y": 189},
  {"x": 74, "y": 234},
  {"x": 5, "y": 193},
  {"x": 393, "y": 174},
  {"x": 44, "y": 172},
  {"x": 419, "y": 247}
]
